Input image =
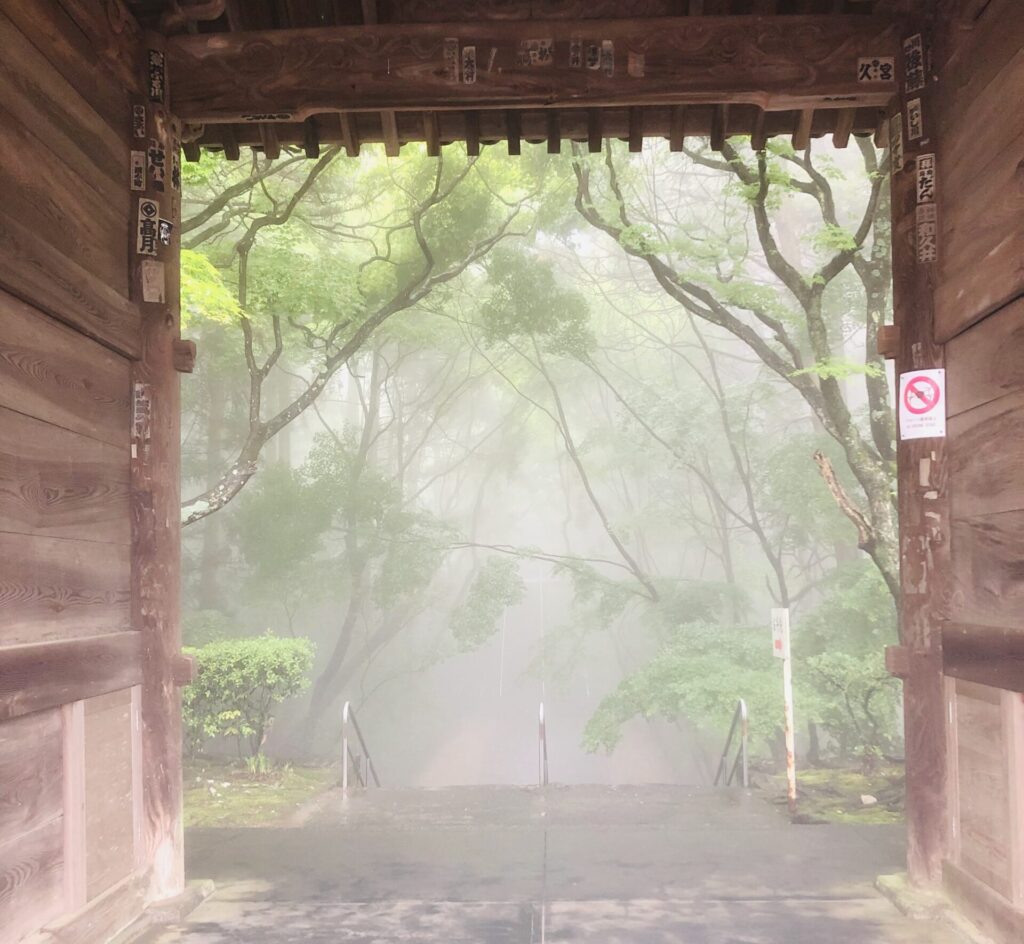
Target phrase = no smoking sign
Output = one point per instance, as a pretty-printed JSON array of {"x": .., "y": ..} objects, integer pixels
[{"x": 922, "y": 404}]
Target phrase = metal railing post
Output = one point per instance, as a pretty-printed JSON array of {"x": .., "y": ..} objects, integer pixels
[
  {"x": 542, "y": 748},
  {"x": 344, "y": 747},
  {"x": 739, "y": 719},
  {"x": 362, "y": 766}
]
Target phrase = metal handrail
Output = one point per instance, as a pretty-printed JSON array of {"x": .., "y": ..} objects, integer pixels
[
  {"x": 739, "y": 719},
  {"x": 542, "y": 748},
  {"x": 363, "y": 764}
]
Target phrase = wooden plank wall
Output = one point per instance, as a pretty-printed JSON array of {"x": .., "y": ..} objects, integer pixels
[
  {"x": 69, "y": 331},
  {"x": 64, "y": 160},
  {"x": 979, "y": 314},
  {"x": 980, "y": 150},
  {"x": 31, "y": 823}
]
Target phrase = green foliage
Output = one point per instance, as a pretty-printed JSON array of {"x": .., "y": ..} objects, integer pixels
[
  {"x": 200, "y": 627},
  {"x": 699, "y": 673},
  {"x": 496, "y": 586},
  {"x": 840, "y": 368},
  {"x": 204, "y": 295},
  {"x": 239, "y": 684},
  {"x": 832, "y": 238},
  {"x": 526, "y": 300}
]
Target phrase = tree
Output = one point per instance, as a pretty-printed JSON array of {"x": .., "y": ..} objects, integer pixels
[
  {"x": 377, "y": 240},
  {"x": 790, "y": 332}
]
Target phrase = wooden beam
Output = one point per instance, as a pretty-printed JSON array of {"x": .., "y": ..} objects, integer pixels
[
  {"x": 349, "y": 134},
  {"x": 554, "y": 133},
  {"x": 759, "y": 134},
  {"x": 513, "y": 132},
  {"x": 193, "y": 153},
  {"x": 389, "y": 130},
  {"x": 844, "y": 126},
  {"x": 802, "y": 133},
  {"x": 155, "y": 499},
  {"x": 184, "y": 356},
  {"x": 271, "y": 146},
  {"x": 432, "y": 134},
  {"x": 636, "y": 130},
  {"x": 595, "y": 130},
  {"x": 370, "y": 12},
  {"x": 311, "y": 139},
  {"x": 231, "y": 150},
  {"x": 677, "y": 128},
  {"x": 926, "y": 573},
  {"x": 984, "y": 654},
  {"x": 48, "y": 674},
  {"x": 719, "y": 127},
  {"x": 234, "y": 77},
  {"x": 882, "y": 131},
  {"x": 472, "y": 133},
  {"x": 888, "y": 341}
]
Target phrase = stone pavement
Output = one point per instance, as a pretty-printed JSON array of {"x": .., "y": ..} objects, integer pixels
[{"x": 505, "y": 865}]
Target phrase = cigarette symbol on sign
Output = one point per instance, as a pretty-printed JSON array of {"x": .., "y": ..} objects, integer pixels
[{"x": 921, "y": 395}]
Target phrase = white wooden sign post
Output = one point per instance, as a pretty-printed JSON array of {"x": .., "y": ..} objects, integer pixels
[{"x": 780, "y": 649}]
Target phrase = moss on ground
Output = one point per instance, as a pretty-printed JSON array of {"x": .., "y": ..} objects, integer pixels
[
  {"x": 833, "y": 795},
  {"x": 222, "y": 793}
]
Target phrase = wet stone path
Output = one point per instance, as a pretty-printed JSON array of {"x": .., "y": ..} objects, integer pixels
[{"x": 480, "y": 865}]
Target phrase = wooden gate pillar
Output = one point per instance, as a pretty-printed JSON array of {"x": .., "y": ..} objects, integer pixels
[
  {"x": 924, "y": 514},
  {"x": 155, "y": 498}
]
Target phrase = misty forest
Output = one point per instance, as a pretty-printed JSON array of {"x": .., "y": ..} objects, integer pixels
[{"x": 467, "y": 434}]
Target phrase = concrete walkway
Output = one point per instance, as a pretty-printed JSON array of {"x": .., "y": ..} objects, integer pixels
[{"x": 630, "y": 865}]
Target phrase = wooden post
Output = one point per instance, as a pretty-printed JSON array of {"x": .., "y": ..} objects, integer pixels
[
  {"x": 924, "y": 515},
  {"x": 155, "y": 498}
]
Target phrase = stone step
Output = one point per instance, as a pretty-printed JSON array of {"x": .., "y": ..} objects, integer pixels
[{"x": 636, "y": 921}]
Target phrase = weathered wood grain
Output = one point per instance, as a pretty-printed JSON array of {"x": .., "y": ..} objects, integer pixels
[
  {"x": 455, "y": 11},
  {"x": 577, "y": 124},
  {"x": 980, "y": 154},
  {"x": 47, "y": 25},
  {"x": 987, "y": 655},
  {"x": 101, "y": 919},
  {"x": 31, "y": 269},
  {"x": 110, "y": 855},
  {"x": 56, "y": 483},
  {"x": 291, "y": 74},
  {"x": 982, "y": 233},
  {"x": 1013, "y": 760},
  {"x": 988, "y": 570},
  {"x": 73, "y": 714},
  {"x": 923, "y": 503},
  {"x": 51, "y": 589},
  {"x": 60, "y": 206},
  {"x": 989, "y": 910},
  {"x": 984, "y": 809},
  {"x": 42, "y": 100},
  {"x": 156, "y": 573},
  {"x": 36, "y": 677},
  {"x": 30, "y": 772},
  {"x": 986, "y": 454},
  {"x": 31, "y": 890},
  {"x": 987, "y": 360},
  {"x": 54, "y": 374}
]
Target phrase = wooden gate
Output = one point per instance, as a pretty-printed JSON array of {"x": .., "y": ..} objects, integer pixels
[{"x": 89, "y": 737}]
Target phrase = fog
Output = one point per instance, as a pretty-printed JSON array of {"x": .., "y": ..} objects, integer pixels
[{"x": 505, "y": 432}]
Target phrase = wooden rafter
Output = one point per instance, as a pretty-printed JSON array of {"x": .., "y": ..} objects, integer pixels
[{"x": 287, "y": 75}]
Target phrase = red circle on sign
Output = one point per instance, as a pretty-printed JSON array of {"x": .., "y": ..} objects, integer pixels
[{"x": 921, "y": 395}]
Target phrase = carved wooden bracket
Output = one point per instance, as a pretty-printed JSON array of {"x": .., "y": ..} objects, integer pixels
[
  {"x": 184, "y": 356},
  {"x": 184, "y": 669},
  {"x": 888, "y": 342}
]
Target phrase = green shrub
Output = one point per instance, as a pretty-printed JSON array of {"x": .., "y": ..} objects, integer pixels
[{"x": 239, "y": 683}]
